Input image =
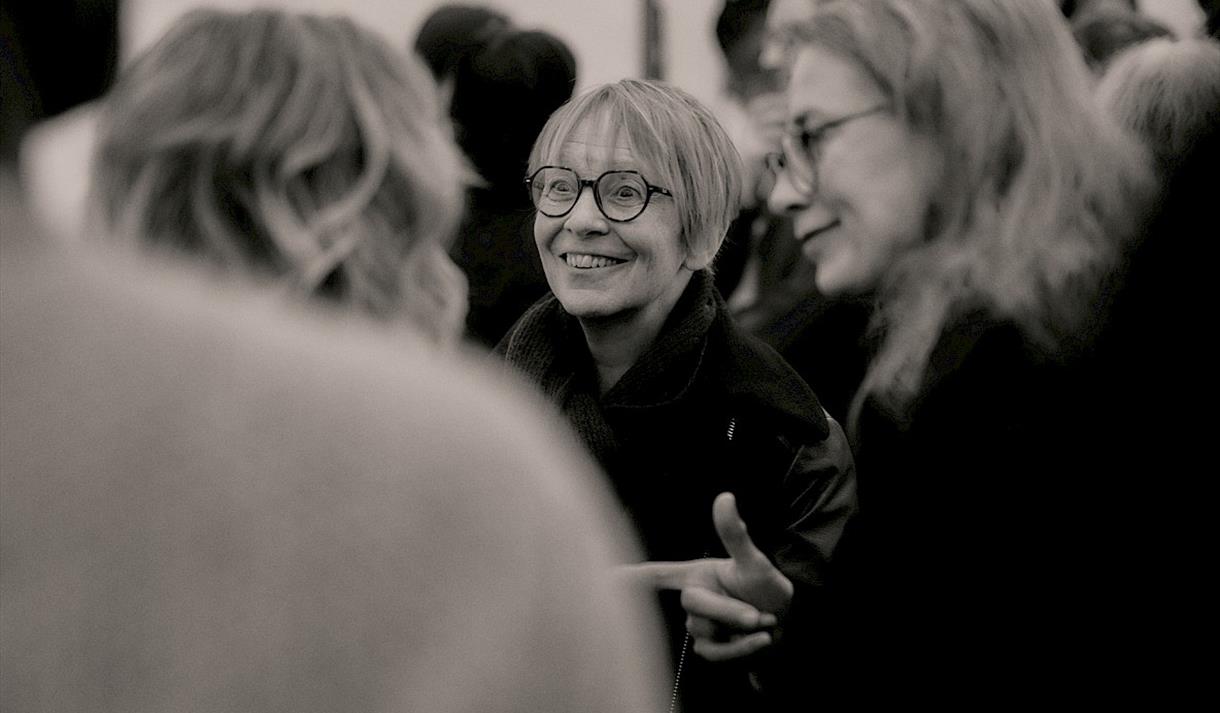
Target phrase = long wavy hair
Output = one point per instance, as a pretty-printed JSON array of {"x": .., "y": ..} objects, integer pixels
[
  {"x": 300, "y": 148},
  {"x": 1041, "y": 191}
]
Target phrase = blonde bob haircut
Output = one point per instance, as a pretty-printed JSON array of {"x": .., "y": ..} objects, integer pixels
[
  {"x": 1041, "y": 190},
  {"x": 298, "y": 148},
  {"x": 679, "y": 144}
]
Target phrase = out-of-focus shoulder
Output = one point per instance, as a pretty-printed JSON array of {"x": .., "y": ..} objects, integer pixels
[{"x": 247, "y": 458}]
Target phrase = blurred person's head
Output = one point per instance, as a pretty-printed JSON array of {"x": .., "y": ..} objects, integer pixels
[
  {"x": 297, "y": 148},
  {"x": 741, "y": 31},
  {"x": 452, "y": 32},
  {"x": 1105, "y": 31},
  {"x": 53, "y": 56},
  {"x": 754, "y": 115},
  {"x": 946, "y": 156},
  {"x": 502, "y": 95},
  {"x": 1168, "y": 93},
  {"x": 668, "y": 185},
  {"x": 780, "y": 41}
]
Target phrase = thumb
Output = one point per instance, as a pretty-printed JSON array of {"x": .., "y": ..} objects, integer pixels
[{"x": 732, "y": 531}]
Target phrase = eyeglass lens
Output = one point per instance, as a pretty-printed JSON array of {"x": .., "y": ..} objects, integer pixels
[
  {"x": 799, "y": 162},
  {"x": 801, "y": 154},
  {"x": 620, "y": 195}
]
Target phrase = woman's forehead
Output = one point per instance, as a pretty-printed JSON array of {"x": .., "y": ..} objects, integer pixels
[
  {"x": 827, "y": 83},
  {"x": 594, "y": 145}
]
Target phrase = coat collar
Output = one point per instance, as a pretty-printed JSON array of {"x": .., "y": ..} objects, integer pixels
[{"x": 549, "y": 346}]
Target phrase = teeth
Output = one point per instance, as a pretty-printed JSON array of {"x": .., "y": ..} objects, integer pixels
[{"x": 587, "y": 262}]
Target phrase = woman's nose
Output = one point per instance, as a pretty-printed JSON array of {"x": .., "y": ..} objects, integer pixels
[
  {"x": 585, "y": 217},
  {"x": 784, "y": 197}
]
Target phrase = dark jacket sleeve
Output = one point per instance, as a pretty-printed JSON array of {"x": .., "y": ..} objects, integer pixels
[{"x": 820, "y": 489}]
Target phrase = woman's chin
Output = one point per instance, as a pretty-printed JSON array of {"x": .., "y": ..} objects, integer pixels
[
  {"x": 832, "y": 277},
  {"x": 585, "y": 306}
]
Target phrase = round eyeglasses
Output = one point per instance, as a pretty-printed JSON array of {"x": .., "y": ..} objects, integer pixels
[
  {"x": 620, "y": 195},
  {"x": 802, "y": 151}
]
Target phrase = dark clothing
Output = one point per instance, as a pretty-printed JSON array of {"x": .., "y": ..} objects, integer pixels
[
  {"x": 495, "y": 248},
  {"x": 704, "y": 410},
  {"x": 1001, "y": 548},
  {"x": 784, "y": 276},
  {"x": 1160, "y": 357},
  {"x": 823, "y": 338},
  {"x": 826, "y": 339}
]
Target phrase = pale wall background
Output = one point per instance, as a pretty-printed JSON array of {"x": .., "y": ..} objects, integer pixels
[{"x": 605, "y": 35}]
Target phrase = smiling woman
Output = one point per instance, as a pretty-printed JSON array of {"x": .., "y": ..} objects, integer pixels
[
  {"x": 618, "y": 271},
  {"x": 982, "y": 209},
  {"x": 635, "y": 184}
]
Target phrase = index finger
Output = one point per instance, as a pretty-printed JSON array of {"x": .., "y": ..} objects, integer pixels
[{"x": 669, "y": 575}]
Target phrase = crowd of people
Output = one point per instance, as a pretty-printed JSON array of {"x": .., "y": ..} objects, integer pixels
[{"x": 870, "y": 384}]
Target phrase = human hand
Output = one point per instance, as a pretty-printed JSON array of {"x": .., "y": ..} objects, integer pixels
[{"x": 731, "y": 603}]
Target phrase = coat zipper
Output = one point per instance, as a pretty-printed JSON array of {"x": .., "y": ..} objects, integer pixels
[{"x": 686, "y": 641}]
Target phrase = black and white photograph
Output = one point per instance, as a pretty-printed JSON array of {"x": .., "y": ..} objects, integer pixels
[{"x": 680, "y": 356}]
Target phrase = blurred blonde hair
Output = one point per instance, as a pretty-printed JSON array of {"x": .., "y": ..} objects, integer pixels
[
  {"x": 680, "y": 144},
  {"x": 1041, "y": 190},
  {"x": 300, "y": 148},
  {"x": 1168, "y": 93}
]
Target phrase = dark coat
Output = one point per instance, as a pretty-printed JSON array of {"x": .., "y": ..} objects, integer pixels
[
  {"x": 707, "y": 409},
  {"x": 1007, "y": 540}
]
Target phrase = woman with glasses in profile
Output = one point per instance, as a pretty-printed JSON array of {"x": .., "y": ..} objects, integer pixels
[
  {"x": 635, "y": 184},
  {"x": 946, "y": 159}
]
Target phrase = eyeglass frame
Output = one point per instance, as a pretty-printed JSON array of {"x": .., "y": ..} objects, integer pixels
[
  {"x": 804, "y": 140},
  {"x": 597, "y": 199}
]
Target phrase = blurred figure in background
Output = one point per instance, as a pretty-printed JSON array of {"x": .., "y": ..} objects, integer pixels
[
  {"x": 293, "y": 148},
  {"x": 1104, "y": 29},
  {"x": 1168, "y": 94},
  {"x": 212, "y": 505},
  {"x": 755, "y": 257},
  {"x": 946, "y": 159},
  {"x": 635, "y": 184},
  {"x": 501, "y": 90},
  {"x": 452, "y": 33},
  {"x": 55, "y": 154},
  {"x": 784, "y": 19}
]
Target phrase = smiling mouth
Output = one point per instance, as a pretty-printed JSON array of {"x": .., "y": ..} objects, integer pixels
[
  {"x": 806, "y": 237},
  {"x": 582, "y": 261}
]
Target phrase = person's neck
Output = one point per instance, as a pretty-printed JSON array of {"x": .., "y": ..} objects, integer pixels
[{"x": 617, "y": 342}]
